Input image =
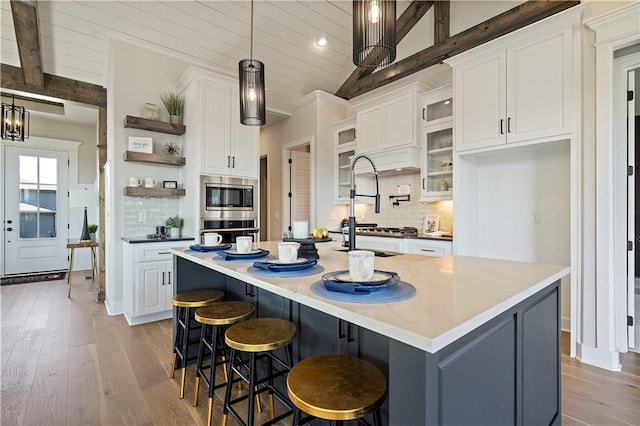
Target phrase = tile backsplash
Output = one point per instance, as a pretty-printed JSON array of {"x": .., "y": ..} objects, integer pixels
[
  {"x": 155, "y": 209},
  {"x": 408, "y": 213}
]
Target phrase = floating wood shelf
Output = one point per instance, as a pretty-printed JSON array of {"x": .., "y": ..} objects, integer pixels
[
  {"x": 154, "y": 125},
  {"x": 154, "y": 158},
  {"x": 137, "y": 191}
]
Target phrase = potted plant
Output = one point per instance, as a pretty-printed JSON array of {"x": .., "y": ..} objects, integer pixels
[
  {"x": 92, "y": 231},
  {"x": 174, "y": 103},
  {"x": 175, "y": 225}
]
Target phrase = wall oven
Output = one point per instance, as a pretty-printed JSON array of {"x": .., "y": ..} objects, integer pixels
[{"x": 229, "y": 206}]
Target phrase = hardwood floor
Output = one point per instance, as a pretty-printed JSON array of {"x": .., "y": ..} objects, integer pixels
[{"x": 68, "y": 362}]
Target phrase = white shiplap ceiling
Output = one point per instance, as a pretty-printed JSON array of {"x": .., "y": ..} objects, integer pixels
[{"x": 75, "y": 38}]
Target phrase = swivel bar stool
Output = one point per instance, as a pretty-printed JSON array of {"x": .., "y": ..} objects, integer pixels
[
  {"x": 336, "y": 388},
  {"x": 258, "y": 339},
  {"x": 214, "y": 319},
  {"x": 186, "y": 302}
]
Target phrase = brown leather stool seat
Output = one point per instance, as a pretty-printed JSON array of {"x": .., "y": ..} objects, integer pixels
[
  {"x": 258, "y": 339},
  {"x": 336, "y": 387},
  {"x": 214, "y": 319},
  {"x": 187, "y": 302}
]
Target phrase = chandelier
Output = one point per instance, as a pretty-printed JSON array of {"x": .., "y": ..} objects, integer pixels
[
  {"x": 374, "y": 33},
  {"x": 252, "y": 101},
  {"x": 15, "y": 122}
]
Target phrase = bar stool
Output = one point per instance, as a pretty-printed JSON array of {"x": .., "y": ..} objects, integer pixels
[
  {"x": 186, "y": 302},
  {"x": 337, "y": 388},
  {"x": 214, "y": 318},
  {"x": 258, "y": 338}
]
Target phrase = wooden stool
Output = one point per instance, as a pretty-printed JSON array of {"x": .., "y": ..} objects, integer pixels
[
  {"x": 258, "y": 338},
  {"x": 186, "y": 302},
  {"x": 336, "y": 387},
  {"x": 213, "y": 319}
]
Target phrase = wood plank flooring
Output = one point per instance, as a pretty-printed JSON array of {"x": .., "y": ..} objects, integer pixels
[{"x": 68, "y": 362}]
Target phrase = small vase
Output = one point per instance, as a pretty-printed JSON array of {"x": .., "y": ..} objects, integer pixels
[
  {"x": 92, "y": 235},
  {"x": 175, "y": 232},
  {"x": 175, "y": 119}
]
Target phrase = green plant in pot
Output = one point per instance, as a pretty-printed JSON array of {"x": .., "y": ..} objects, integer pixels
[
  {"x": 174, "y": 103},
  {"x": 93, "y": 228},
  {"x": 175, "y": 225}
]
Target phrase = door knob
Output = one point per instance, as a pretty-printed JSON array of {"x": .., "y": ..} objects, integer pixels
[{"x": 9, "y": 229}]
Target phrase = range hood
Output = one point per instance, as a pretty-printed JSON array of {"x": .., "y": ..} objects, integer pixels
[{"x": 393, "y": 161}]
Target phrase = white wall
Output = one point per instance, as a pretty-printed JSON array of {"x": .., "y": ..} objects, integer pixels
[{"x": 136, "y": 75}]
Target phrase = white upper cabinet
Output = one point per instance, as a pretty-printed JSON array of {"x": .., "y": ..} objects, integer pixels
[
  {"x": 227, "y": 147},
  {"x": 519, "y": 92},
  {"x": 389, "y": 121}
]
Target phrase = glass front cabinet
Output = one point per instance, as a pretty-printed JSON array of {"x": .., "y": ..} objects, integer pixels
[
  {"x": 437, "y": 145},
  {"x": 345, "y": 148}
]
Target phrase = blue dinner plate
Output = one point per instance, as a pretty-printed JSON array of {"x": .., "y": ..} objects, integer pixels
[
  {"x": 284, "y": 267},
  {"x": 200, "y": 247},
  {"x": 338, "y": 281},
  {"x": 235, "y": 255}
]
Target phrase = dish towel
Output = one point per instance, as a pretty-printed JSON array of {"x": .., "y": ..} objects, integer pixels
[
  {"x": 232, "y": 256},
  {"x": 284, "y": 267}
]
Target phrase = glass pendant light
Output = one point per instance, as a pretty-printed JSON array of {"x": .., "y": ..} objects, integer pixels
[
  {"x": 374, "y": 32},
  {"x": 252, "y": 101},
  {"x": 15, "y": 122}
]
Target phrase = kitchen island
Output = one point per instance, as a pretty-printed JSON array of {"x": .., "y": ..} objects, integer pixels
[{"x": 479, "y": 343}]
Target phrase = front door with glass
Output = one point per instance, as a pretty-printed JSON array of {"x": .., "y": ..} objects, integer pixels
[{"x": 36, "y": 210}]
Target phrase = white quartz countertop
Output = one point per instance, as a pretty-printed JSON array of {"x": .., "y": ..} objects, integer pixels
[{"x": 454, "y": 294}]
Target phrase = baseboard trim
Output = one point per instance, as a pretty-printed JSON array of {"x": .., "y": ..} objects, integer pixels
[
  {"x": 143, "y": 319},
  {"x": 609, "y": 360},
  {"x": 565, "y": 324},
  {"x": 113, "y": 308}
]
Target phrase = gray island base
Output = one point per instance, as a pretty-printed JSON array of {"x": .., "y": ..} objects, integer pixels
[{"x": 479, "y": 344}]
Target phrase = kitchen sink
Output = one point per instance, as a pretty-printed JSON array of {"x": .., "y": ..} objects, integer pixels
[{"x": 377, "y": 253}]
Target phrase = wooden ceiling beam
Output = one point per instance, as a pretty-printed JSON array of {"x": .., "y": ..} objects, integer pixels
[
  {"x": 25, "y": 22},
  {"x": 56, "y": 87},
  {"x": 511, "y": 20},
  {"x": 404, "y": 23},
  {"x": 441, "y": 21}
]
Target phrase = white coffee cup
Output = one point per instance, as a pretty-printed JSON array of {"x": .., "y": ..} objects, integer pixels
[
  {"x": 300, "y": 228},
  {"x": 150, "y": 182},
  {"x": 288, "y": 251},
  {"x": 135, "y": 181},
  {"x": 212, "y": 239},
  {"x": 361, "y": 264},
  {"x": 243, "y": 244}
]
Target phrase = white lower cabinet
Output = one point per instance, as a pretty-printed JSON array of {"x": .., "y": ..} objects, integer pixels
[
  {"x": 436, "y": 248},
  {"x": 379, "y": 243},
  {"x": 149, "y": 280}
]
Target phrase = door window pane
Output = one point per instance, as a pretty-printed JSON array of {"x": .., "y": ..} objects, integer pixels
[{"x": 38, "y": 184}]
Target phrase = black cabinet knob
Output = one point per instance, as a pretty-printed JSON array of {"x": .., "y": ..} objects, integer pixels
[{"x": 9, "y": 229}]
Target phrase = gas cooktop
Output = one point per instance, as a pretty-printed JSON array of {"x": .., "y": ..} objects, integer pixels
[{"x": 388, "y": 231}]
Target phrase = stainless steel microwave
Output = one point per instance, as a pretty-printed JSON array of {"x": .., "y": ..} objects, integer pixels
[{"x": 226, "y": 197}]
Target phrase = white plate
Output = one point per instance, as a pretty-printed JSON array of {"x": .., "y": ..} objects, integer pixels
[
  {"x": 277, "y": 262},
  {"x": 237, "y": 253}
]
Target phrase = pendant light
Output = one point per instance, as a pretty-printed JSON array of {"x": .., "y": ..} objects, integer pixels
[
  {"x": 252, "y": 102},
  {"x": 374, "y": 32},
  {"x": 15, "y": 122}
]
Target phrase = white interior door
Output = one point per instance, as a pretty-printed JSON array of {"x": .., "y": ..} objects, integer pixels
[
  {"x": 631, "y": 230},
  {"x": 36, "y": 210},
  {"x": 300, "y": 185}
]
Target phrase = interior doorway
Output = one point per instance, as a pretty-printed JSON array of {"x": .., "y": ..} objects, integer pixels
[
  {"x": 298, "y": 183},
  {"x": 264, "y": 198},
  {"x": 633, "y": 134}
]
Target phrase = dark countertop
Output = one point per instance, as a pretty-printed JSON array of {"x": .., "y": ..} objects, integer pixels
[
  {"x": 144, "y": 239},
  {"x": 412, "y": 237}
]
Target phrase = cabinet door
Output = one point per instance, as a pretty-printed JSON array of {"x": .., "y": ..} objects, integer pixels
[
  {"x": 215, "y": 122},
  {"x": 479, "y": 110},
  {"x": 428, "y": 247},
  {"x": 399, "y": 122},
  {"x": 370, "y": 130},
  {"x": 539, "y": 88},
  {"x": 244, "y": 143},
  {"x": 151, "y": 288}
]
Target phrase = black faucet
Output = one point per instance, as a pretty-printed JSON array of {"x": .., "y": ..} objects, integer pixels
[{"x": 352, "y": 197}]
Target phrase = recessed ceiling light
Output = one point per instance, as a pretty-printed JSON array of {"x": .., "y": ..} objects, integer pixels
[
  {"x": 321, "y": 41},
  {"x": 447, "y": 102}
]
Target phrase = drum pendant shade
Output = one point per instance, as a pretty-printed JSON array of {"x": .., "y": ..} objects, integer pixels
[
  {"x": 374, "y": 33},
  {"x": 252, "y": 101}
]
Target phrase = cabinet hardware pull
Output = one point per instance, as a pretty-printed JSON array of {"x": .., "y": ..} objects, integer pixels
[
  {"x": 423, "y": 183},
  {"x": 502, "y": 126},
  {"x": 341, "y": 334},
  {"x": 169, "y": 280},
  {"x": 228, "y": 161},
  {"x": 163, "y": 278},
  {"x": 164, "y": 252},
  {"x": 509, "y": 125},
  {"x": 431, "y": 250},
  {"x": 349, "y": 335},
  {"x": 233, "y": 162},
  {"x": 423, "y": 109}
]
